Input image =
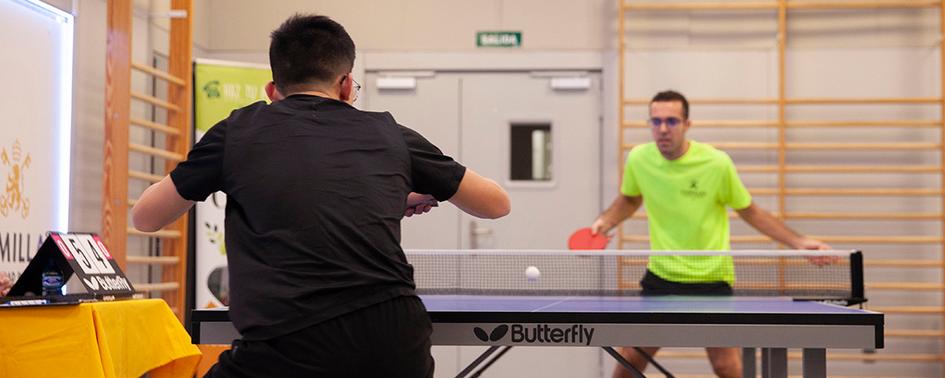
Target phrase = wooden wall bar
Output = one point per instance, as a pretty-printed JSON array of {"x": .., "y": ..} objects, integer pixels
[
  {"x": 170, "y": 261},
  {"x": 781, "y": 190}
]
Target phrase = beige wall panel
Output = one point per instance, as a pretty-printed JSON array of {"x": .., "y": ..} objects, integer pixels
[
  {"x": 238, "y": 24},
  {"x": 370, "y": 23},
  {"x": 443, "y": 25},
  {"x": 863, "y": 72},
  {"x": 88, "y": 134},
  {"x": 560, "y": 24},
  {"x": 65, "y": 5},
  {"x": 201, "y": 24},
  {"x": 740, "y": 29},
  {"x": 656, "y": 30},
  {"x": 142, "y": 4},
  {"x": 862, "y": 28},
  {"x": 701, "y": 73},
  {"x": 158, "y": 10},
  {"x": 756, "y": 29},
  {"x": 246, "y": 24},
  {"x": 412, "y": 25},
  {"x": 910, "y": 27}
]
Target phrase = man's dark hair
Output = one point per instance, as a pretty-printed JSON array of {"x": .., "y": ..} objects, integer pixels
[
  {"x": 670, "y": 96},
  {"x": 309, "y": 51}
]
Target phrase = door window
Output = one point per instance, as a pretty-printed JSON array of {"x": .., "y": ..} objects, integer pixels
[{"x": 530, "y": 155}]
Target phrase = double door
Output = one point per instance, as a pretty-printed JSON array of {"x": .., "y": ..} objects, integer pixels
[{"x": 537, "y": 134}]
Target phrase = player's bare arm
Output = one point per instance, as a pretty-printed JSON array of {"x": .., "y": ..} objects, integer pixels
[
  {"x": 622, "y": 208},
  {"x": 158, "y": 206},
  {"x": 481, "y": 197},
  {"x": 767, "y": 224}
]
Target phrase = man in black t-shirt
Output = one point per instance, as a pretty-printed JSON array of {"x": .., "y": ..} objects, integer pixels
[{"x": 316, "y": 190}]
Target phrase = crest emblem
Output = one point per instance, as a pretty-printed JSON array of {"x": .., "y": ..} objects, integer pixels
[{"x": 13, "y": 200}]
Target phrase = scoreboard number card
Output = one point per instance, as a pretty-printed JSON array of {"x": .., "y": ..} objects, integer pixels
[{"x": 82, "y": 254}]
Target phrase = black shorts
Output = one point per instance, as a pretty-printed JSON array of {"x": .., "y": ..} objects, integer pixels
[
  {"x": 389, "y": 339},
  {"x": 655, "y": 285}
]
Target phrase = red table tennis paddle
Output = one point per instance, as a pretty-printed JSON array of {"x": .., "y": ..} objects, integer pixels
[{"x": 582, "y": 239}]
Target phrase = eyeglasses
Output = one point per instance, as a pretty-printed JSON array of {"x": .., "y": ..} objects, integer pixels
[
  {"x": 670, "y": 122},
  {"x": 357, "y": 90},
  {"x": 354, "y": 84}
]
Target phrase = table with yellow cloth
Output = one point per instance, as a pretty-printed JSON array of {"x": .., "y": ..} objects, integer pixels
[{"x": 103, "y": 339}]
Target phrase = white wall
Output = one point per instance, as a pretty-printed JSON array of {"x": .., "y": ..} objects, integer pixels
[
  {"x": 400, "y": 25},
  {"x": 703, "y": 53}
]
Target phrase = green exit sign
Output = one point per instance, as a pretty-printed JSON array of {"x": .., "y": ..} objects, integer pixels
[{"x": 499, "y": 39}]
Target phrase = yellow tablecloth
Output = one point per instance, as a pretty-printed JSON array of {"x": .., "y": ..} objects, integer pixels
[{"x": 107, "y": 339}]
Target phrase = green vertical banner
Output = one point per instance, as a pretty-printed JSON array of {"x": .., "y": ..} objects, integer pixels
[{"x": 219, "y": 88}]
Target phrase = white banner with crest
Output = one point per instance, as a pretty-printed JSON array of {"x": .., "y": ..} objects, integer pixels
[{"x": 35, "y": 131}]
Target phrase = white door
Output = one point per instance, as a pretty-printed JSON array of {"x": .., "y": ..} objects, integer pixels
[
  {"x": 541, "y": 142},
  {"x": 505, "y": 119}
]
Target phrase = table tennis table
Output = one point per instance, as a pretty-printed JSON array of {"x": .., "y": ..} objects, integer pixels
[{"x": 771, "y": 323}]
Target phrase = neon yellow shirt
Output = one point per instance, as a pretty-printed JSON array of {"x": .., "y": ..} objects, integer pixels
[{"x": 685, "y": 202}]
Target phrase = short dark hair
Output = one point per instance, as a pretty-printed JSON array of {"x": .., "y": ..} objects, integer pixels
[
  {"x": 671, "y": 95},
  {"x": 309, "y": 50}
]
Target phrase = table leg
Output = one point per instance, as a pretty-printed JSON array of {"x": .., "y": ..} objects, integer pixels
[
  {"x": 478, "y": 361},
  {"x": 815, "y": 363},
  {"x": 774, "y": 362},
  {"x": 749, "y": 364},
  {"x": 478, "y": 373},
  {"x": 623, "y": 362},
  {"x": 195, "y": 332},
  {"x": 653, "y": 362}
]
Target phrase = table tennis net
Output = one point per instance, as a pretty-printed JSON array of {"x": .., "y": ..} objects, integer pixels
[{"x": 794, "y": 274}]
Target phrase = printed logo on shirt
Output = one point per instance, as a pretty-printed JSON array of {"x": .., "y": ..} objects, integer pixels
[
  {"x": 538, "y": 334},
  {"x": 693, "y": 190}
]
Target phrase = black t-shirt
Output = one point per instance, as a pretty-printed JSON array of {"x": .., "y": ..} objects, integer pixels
[{"x": 315, "y": 191}]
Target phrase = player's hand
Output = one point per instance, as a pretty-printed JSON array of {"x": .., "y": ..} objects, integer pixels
[
  {"x": 419, "y": 204},
  {"x": 811, "y": 244},
  {"x": 601, "y": 226},
  {"x": 5, "y": 284},
  {"x": 420, "y": 209}
]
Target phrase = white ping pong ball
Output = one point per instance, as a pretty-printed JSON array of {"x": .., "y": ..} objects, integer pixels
[{"x": 532, "y": 273}]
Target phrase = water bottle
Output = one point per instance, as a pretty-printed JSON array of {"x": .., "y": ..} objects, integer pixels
[{"x": 52, "y": 280}]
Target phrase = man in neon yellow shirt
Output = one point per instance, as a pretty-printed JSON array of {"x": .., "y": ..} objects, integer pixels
[{"x": 687, "y": 187}]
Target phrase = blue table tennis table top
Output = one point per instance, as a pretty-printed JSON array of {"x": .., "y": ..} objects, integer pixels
[{"x": 616, "y": 304}]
